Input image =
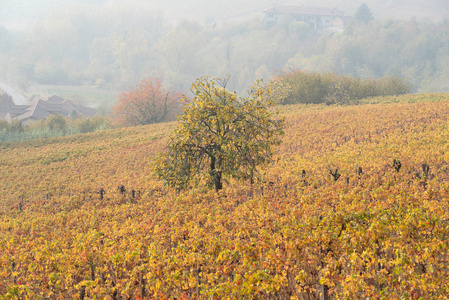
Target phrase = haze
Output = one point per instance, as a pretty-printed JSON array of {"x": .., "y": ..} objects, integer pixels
[{"x": 90, "y": 50}]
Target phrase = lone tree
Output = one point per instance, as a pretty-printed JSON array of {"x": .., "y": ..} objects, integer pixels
[
  {"x": 363, "y": 14},
  {"x": 220, "y": 135},
  {"x": 147, "y": 103}
]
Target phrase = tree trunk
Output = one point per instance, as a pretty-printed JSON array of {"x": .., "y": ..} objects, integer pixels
[
  {"x": 216, "y": 175},
  {"x": 217, "y": 182},
  {"x": 324, "y": 292}
]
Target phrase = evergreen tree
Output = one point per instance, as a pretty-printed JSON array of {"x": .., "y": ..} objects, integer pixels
[{"x": 363, "y": 14}]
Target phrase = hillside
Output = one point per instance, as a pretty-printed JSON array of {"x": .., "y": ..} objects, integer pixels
[{"x": 373, "y": 229}]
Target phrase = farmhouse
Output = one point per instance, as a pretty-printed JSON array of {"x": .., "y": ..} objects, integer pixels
[
  {"x": 317, "y": 17},
  {"x": 43, "y": 108}
]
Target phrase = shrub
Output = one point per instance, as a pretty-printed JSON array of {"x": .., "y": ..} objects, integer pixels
[
  {"x": 4, "y": 125},
  {"x": 56, "y": 123},
  {"x": 85, "y": 125},
  {"x": 16, "y": 126},
  {"x": 303, "y": 87}
]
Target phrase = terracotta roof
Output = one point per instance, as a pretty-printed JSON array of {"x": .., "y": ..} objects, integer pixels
[{"x": 304, "y": 10}]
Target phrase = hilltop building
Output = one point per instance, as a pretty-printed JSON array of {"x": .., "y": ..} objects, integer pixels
[
  {"x": 318, "y": 18},
  {"x": 43, "y": 108}
]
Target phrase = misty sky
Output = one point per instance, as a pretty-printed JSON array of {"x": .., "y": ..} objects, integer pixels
[{"x": 20, "y": 14}]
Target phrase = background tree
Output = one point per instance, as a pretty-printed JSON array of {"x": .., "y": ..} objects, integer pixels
[
  {"x": 363, "y": 13},
  {"x": 308, "y": 87},
  {"x": 220, "y": 134},
  {"x": 6, "y": 103},
  {"x": 147, "y": 103}
]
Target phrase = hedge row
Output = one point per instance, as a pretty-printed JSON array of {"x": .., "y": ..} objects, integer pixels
[{"x": 303, "y": 87}]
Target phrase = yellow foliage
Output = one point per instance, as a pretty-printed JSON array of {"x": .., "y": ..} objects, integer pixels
[{"x": 375, "y": 232}]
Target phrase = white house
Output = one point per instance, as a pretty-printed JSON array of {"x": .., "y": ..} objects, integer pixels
[{"x": 317, "y": 17}]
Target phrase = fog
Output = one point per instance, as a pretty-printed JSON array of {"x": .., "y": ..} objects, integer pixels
[{"x": 89, "y": 50}]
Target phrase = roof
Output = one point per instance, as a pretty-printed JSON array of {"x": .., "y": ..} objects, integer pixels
[
  {"x": 18, "y": 109},
  {"x": 42, "y": 109},
  {"x": 304, "y": 10},
  {"x": 54, "y": 99}
]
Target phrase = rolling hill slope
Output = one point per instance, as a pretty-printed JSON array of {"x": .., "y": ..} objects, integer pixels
[{"x": 355, "y": 204}]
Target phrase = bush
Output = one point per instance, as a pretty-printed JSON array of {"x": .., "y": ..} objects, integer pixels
[
  {"x": 4, "y": 126},
  {"x": 56, "y": 123},
  {"x": 85, "y": 125},
  {"x": 16, "y": 126},
  {"x": 303, "y": 87}
]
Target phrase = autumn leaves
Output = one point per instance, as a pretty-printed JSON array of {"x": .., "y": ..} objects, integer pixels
[{"x": 383, "y": 235}]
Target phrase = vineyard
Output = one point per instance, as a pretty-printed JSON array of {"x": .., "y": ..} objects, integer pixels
[{"x": 354, "y": 206}]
